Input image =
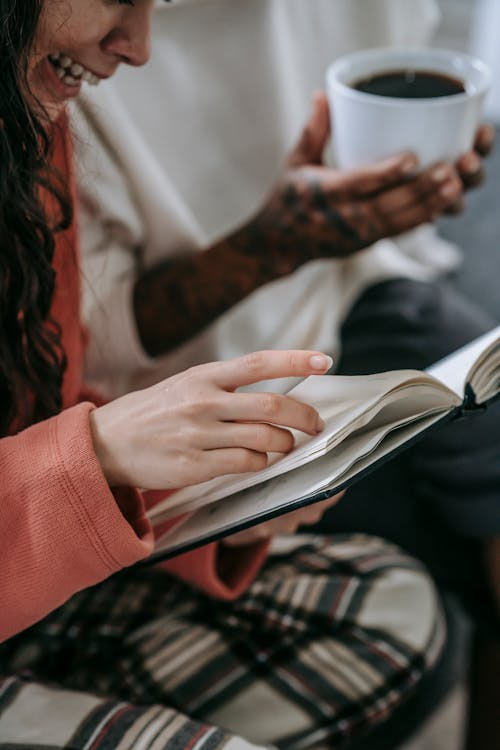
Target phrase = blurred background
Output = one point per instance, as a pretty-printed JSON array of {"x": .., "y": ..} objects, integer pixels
[
  {"x": 471, "y": 26},
  {"x": 474, "y": 25}
]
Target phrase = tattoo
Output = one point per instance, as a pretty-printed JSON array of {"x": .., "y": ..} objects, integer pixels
[
  {"x": 301, "y": 222},
  {"x": 177, "y": 299}
]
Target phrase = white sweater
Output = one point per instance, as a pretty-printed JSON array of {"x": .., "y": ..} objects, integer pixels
[{"x": 177, "y": 154}]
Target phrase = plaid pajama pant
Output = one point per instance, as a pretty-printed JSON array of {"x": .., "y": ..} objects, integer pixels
[{"x": 332, "y": 636}]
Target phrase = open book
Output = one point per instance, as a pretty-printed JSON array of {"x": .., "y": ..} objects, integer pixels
[{"x": 368, "y": 419}]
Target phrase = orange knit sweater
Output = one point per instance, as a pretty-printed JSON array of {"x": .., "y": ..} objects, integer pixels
[{"x": 61, "y": 527}]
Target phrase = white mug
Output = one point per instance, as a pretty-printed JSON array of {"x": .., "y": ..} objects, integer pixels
[{"x": 368, "y": 127}]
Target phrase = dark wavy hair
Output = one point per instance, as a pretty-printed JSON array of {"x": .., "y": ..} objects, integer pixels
[{"x": 32, "y": 361}]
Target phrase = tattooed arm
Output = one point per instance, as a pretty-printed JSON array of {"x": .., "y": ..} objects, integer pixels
[{"x": 313, "y": 212}]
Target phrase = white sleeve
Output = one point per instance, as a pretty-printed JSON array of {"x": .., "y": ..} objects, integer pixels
[
  {"x": 412, "y": 22},
  {"x": 114, "y": 348},
  {"x": 130, "y": 216},
  {"x": 110, "y": 230}
]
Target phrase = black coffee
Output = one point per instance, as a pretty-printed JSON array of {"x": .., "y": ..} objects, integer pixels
[{"x": 410, "y": 84}]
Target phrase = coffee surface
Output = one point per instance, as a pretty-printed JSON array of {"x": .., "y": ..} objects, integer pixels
[{"x": 410, "y": 84}]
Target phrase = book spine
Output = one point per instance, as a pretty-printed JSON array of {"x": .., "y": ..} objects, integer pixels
[{"x": 469, "y": 404}]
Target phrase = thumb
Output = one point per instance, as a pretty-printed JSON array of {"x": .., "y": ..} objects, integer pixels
[{"x": 313, "y": 139}]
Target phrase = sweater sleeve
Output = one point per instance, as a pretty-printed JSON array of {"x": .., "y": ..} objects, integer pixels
[
  {"x": 222, "y": 572},
  {"x": 61, "y": 527}
]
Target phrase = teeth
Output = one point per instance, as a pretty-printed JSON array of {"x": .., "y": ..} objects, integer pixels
[
  {"x": 72, "y": 73},
  {"x": 65, "y": 61}
]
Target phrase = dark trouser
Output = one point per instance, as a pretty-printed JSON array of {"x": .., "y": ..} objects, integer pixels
[{"x": 439, "y": 499}]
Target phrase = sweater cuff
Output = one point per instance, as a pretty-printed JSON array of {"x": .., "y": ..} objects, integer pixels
[{"x": 114, "y": 524}]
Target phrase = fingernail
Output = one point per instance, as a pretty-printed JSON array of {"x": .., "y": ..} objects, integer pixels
[
  {"x": 449, "y": 190},
  {"x": 472, "y": 162},
  {"x": 321, "y": 362},
  {"x": 320, "y": 424},
  {"x": 409, "y": 165},
  {"x": 441, "y": 173}
]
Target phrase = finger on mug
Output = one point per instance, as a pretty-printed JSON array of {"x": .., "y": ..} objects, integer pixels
[
  {"x": 428, "y": 210},
  {"x": 416, "y": 190},
  {"x": 311, "y": 144},
  {"x": 371, "y": 179},
  {"x": 485, "y": 139},
  {"x": 269, "y": 365},
  {"x": 409, "y": 209},
  {"x": 424, "y": 187},
  {"x": 271, "y": 408},
  {"x": 471, "y": 170}
]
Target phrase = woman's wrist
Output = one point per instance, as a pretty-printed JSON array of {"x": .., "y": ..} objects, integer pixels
[{"x": 101, "y": 449}]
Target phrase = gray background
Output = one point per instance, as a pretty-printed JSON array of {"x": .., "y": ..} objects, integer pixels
[{"x": 477, "y": 232}]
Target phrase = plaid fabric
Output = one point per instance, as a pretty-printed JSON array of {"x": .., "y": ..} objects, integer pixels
[{"x": 329, "y": 640}]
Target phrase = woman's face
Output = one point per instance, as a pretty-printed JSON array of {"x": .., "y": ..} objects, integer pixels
[{"x": 84, "y": 41}]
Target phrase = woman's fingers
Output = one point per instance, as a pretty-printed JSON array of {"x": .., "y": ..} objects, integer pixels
[
  {"x": 190, "y": 428},
  {"x": 263, "y": 438},
  {"x": 269, "y": 365},
  {"x": 270, "y": 408},
  {"x": 234, "y": 461}
]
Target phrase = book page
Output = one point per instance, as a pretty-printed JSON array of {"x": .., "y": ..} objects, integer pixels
[
  {"x": 466, "y": 365},
  {"x": 297, "y": 488},
  {"x": 345, "y": 403}
]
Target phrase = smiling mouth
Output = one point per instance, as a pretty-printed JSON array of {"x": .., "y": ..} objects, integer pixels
[{"x": 70, "y": 72}]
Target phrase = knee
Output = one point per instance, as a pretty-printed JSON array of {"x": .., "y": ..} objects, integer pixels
[
  {"x": 396, "y": 599},
  {"x": 402, "y": 603}
]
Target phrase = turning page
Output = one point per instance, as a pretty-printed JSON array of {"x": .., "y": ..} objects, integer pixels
[{"x": 476, "y": 364}]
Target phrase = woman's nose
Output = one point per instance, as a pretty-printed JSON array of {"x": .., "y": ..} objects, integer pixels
[{"x": 131, "y": 41}]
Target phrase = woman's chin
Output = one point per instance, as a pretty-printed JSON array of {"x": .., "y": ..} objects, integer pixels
[{"x": 49, "y": 93}]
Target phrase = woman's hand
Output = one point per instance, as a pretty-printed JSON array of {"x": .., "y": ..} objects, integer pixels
[
  {"x": 194, "y": 426},
  {"x": 286, "y": 524}
]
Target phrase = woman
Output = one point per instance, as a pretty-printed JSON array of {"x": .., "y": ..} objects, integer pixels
[{"x": 312, "y": 642}]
